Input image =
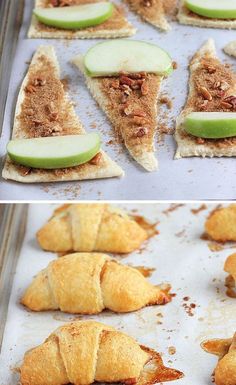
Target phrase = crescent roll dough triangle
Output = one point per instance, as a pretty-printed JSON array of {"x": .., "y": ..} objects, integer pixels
[
  {"x": 185, "y": 16},
  {"x": 116, "y": 26},
  {"x": 210, "y": 84},
  {"x": 34, "y": 118},
  {"x": 91, "y": 227},
  {"x": 87, "y": 283},
  {"x": 137, "y": 131},
  {"x": 155, "y": 12},
  {"x": 225, "y": 371},
  {"x": 230, "y": 48}
]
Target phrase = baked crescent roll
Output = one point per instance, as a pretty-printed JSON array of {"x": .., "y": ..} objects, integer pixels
[
  {"x": 78, "y": 353},
  {"x": 81, "y": 353},
  {"x": 225, "y": 372},
  {"x": 91, "y": 227},
  {"x": 89, "y": 283},
  {"x": 230, "y": 282},
  {"x": 221, "y": 224}
]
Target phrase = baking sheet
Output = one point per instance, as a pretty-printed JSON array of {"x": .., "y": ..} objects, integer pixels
[
  {"x": 179, "y": 257},
  {"x": 192, "y": 178}
]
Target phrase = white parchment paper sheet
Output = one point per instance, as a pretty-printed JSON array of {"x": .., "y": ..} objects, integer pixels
[
  {"x": 193, "y": 178},
  {"x": 179, "y": 257}
]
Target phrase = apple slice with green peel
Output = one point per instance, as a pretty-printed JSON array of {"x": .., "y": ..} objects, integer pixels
[
  {"x": 219, "y": 9},
  {"x": 211, "y": 125},
  {"x": 112, "y": 57},
  {"x": 54, "y": 152},
  {"x": 76, "y": 16}
]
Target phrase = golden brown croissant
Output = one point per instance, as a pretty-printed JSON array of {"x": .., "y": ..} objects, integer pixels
[
  {"x": 87, "y": 283},
  {"x": 221, "y": 224},
  {"x": 81, "y": 353},
  {"x": 225, "y": 372},
  {"x": 230, "y": 282},
  {"x": 91, "y": 227}
]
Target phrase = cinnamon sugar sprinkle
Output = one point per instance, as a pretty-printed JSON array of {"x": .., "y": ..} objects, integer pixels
[
  {"x": 214, "y": 90},
  {"x": 132, "y": 98}
]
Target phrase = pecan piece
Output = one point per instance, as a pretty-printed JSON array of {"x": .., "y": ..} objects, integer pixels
[
  {"x": 140, "y": 132},
  {"x": 205, "y": 93},
  {"x": 144, "y": 89},
  {"x": 30, "y": 88},
  {"x": 231, "y": 100},
  {"x": 200, "y": 141},
  {"x": 23, "y": 170},
  {"x": 226, "y": 105},
  {"x": 39, "y": 82},
  {"x": 96, "y": 159},
  {"x": 126, "y": 80}
]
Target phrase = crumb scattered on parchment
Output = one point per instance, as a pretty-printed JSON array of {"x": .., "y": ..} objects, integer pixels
[
  {"x": 199, "y": 209},
  {"x": 188, "y": 307},
  {"x": 171, "y": 350},
  {"x": 180, "y": 233},
  {"x": 71, "y": 191},
  {"x": 173, "y": 207},
  {"x": 146, "y": 271},
  {"x": 164, "y": 99},
  {"x": 214, "y": 246}
]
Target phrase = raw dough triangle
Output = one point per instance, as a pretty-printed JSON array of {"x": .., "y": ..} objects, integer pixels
[
  {"x": 141, "y": 148},
  {"x": 187, "y": 144},
  {"x": 45, "y": 67},
  {"x": 116, "y": 26}
]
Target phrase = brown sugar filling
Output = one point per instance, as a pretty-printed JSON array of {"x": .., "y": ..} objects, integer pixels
[
  {"x": 214, "y": 91},
  {"x": 116, "y": 21},
  {"x": 46, "y": 112},
  {"x": 132, "y": 98}
]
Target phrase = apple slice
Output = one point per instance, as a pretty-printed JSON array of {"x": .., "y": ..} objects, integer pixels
[
  {"x": 75, "y": 17},
  {"x": 112, "y": 57},
  {"x": 211, "y": 125},
  {"x": 219, "y": 9},
  {"x": 54, "y": 152}
]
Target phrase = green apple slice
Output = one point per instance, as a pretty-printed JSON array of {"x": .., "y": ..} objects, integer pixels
[
  {"x": 54, "y": 152},
  {"x": 112, "y": 57},
  {"x": 75, "y": 17},
  {"x": 219, "y": 9},
  {"x": 211, "y": 125}
]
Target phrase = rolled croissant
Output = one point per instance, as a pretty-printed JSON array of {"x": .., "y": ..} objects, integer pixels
[
  {"x": 81, "y": 353},
  {"x": 221, "y": 224},
  {"x": 91, "y": 227},
  {"x": 225, "y": 372},
  {"x": 87, "y": 283}
]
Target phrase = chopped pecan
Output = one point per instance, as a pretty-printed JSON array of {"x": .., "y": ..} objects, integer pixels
[
  {"x": 96, "y": 159},
  {"x": 144, "y": 89},
  {"x": 224, "y": 86},
  {"x": 200, "y": 140},
  {"x": 55, "y": 3},
  {"x": 140, "y": 132},
  {"x": 205, "y": 93},
  {"x": 139, "y": 120},
  {"x": 115, "y": 83},
  {"x": 139, "y": 75},
  {"x": 226, "y": 105},
  {"x": 216, "y": 85},
  {"x": 204, "y": 104},
  {"x": 36, "y": 121},
  {"x": 126, "y": 80},
  {"x": 39, "y": 82},
  {"x": 210, "y": 69},
  {"x": 231, "y": 100},
  {"x": 23, "y": 170},
  {"x": 30, "y": 88}
]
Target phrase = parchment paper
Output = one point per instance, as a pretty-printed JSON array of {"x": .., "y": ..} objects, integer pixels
[{"x": 179, "y": 256}]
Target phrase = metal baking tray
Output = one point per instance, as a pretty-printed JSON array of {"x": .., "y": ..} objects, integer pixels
[
  {"x": 185, "y": 179},
  {"x": 199, "y": 310}
]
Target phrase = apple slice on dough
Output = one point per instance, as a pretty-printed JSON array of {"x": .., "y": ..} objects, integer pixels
[
  {"x": 112, "y": 57},
  {"x": 54, "y": 152},
  {"x": 76, "y": 16},
  {"x": 219, "y": 9},
  {"x": 211, "y": 125}
]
